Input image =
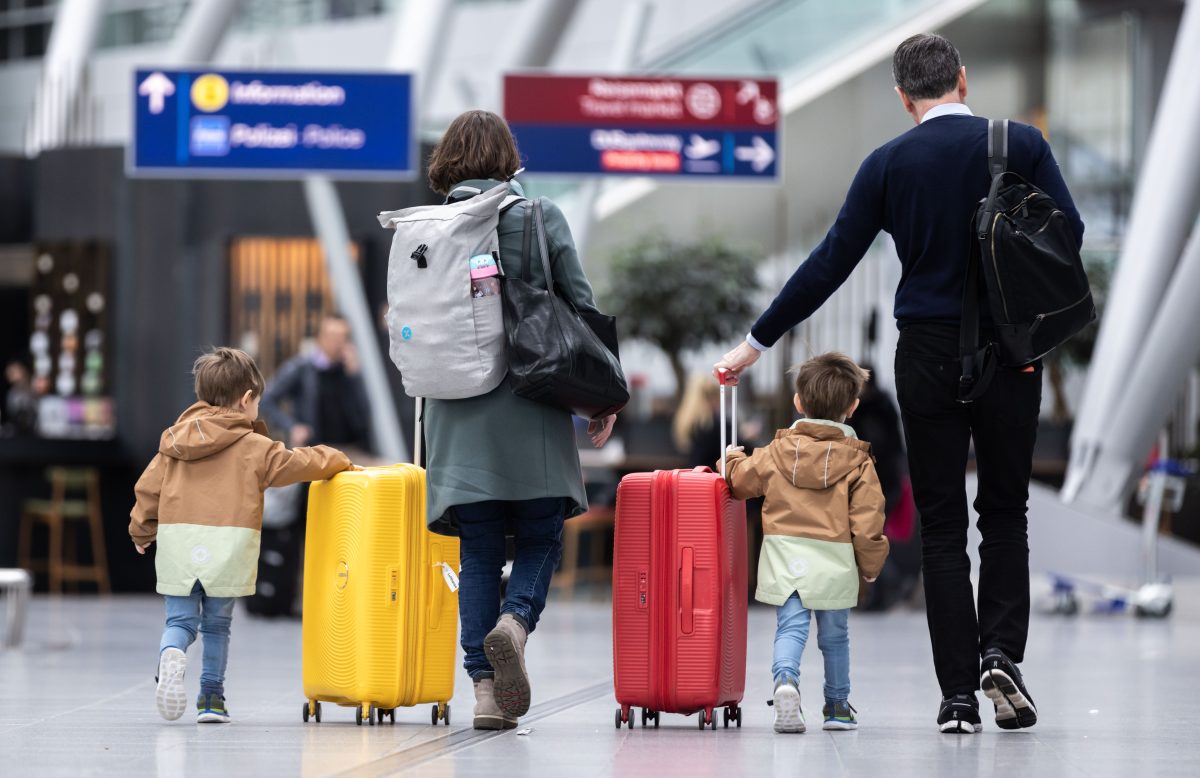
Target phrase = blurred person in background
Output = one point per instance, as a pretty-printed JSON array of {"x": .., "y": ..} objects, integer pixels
[
  {"x": 696, "y": 429},
  {"x": 20, "y": 402},
  {"x": 319, "y": 397}
]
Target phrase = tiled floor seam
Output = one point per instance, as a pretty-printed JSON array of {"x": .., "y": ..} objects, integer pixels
[{"x": 410, "y": 758}]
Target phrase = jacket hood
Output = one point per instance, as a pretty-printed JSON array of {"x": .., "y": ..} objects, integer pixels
[
  {"x": 203, "y": 430},
  {"x": 817, "y": 456}
]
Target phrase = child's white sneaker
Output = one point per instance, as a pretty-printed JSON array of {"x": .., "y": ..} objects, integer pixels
[
  {"x": 788, "y": 716},
  {"x": 169, "y": 695}
]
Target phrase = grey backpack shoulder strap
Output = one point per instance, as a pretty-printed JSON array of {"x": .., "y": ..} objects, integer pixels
[{"x": 997, "y": 146}]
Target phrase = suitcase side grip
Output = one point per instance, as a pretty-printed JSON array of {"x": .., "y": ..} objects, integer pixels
[{"x": 687, "y": 576}]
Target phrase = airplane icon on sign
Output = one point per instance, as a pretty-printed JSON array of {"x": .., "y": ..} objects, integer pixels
[{"x": 157, "y": 87}]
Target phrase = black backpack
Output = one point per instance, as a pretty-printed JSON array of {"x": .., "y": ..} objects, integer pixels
[{"x": 1037, "y": 290}]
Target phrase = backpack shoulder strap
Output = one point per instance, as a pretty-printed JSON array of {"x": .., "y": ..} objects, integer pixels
[{"x": 997, "y": 146}]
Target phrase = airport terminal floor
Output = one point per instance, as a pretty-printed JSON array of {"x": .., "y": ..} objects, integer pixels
[{"x": 1116, "y": 696}]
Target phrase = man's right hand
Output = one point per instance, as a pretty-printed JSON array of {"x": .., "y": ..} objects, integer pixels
[
  {"x": 736, "y": 361},
  {"x": 299, "y": 435}
]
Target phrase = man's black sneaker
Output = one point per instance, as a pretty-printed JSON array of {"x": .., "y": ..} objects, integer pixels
[
  {"x": 1002, "y": 683},
  {"x": 960, "y": 715}
]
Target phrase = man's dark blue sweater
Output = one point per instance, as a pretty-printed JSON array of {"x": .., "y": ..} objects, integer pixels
[{"x": 922, "y": 188}]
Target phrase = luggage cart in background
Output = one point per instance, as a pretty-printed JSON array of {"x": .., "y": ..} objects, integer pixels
[{"x": 1164, "y": 485}]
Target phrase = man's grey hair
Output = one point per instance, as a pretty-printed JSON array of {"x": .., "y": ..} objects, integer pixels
[{"x": 926, "y": 66}]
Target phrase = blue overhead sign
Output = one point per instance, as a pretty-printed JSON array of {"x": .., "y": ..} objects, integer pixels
[{"x": 190, "y": 123}]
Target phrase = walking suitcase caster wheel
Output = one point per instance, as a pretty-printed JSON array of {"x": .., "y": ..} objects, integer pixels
[
  {"x": 737, "y": 715},
  {"x": 373, "y": 715},
  {"x": 434, "y": 715},
  {"x": 358, "y": 717},
  {"x": 307, "y": 705},
  {"x": 654, "y": 715},
  {"x": 618, "y": 719},
  {"x": 703, "y": 719}
]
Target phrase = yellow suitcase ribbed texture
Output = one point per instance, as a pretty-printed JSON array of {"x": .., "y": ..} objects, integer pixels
[{"x": 380, "y": 614}]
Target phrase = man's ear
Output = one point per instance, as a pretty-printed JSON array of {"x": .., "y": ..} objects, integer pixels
[
  {"x": 962, "y": 84},
  {"x": 909, "y": 108}
]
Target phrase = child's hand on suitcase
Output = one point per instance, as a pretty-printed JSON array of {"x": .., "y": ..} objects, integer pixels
[
  {"x": 141, "y": 549},
  {"x": 870, "y": 580},
  {"x": 356, "y": 468},
  {"x": 734, "y": 449}
]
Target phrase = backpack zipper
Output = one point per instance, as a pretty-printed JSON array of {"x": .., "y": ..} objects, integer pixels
[{"x": 996, "y": 267}]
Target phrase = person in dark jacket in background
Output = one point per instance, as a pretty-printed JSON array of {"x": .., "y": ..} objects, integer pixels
[
  {"x": 923, "y": 188},
  {"x": 319, "y": 397}
]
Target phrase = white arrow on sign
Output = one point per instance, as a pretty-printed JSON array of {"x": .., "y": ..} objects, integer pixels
[
  {"x": 699, "y": 147},
  {"x": 759, "y": 154},
  {"x": 157, "y": 87}
]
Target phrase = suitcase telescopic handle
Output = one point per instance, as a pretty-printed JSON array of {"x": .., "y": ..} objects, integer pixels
[
  {"x": 418, "y": 432},
  {"x": 723, "y": 379}
]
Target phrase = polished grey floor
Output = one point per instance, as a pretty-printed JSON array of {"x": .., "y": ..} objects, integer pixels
[{"x": 1117, "y": 696}]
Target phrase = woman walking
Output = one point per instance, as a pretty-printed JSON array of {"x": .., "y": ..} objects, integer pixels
[{"x": 499, "y": 464}]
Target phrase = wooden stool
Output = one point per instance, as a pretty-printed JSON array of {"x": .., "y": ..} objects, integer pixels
[
  {"x": 74, "y": 498},
  {"x": 599, "y": 520}
]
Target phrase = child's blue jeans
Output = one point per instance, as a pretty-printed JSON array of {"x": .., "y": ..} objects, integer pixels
[
  {"x": 208, "y": 616},
  {"x": 833, "y": 638}
]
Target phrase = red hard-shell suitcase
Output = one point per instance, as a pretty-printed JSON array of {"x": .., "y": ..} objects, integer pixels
[{"x": 679, "y": 596}]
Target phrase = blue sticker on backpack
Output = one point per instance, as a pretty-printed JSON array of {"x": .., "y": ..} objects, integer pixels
[{"x": 406, "y": 333}]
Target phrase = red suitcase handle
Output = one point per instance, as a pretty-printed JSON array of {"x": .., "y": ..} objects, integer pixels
[{"x": 687, "y": 604}]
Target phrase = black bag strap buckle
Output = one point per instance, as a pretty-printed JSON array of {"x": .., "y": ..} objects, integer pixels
[{"x": 418, "y": 256}]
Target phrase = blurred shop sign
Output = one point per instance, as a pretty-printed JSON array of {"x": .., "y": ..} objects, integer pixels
[
  {"x": 645, "y": 125},
  {"x": 272, "y": 124}
]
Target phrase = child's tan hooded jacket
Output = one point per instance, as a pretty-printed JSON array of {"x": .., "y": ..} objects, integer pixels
[
  {"x": 823, "y": 514},
  {"x": 201, "y": 498}
]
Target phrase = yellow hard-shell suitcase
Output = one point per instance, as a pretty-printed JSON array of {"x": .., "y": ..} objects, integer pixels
[{"x": 380, "y": 597}]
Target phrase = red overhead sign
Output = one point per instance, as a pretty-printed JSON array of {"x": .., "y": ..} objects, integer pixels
[{"x": 660, "y": 125}]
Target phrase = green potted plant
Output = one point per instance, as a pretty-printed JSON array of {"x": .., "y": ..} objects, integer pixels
[{"x": 682, "y": 296}]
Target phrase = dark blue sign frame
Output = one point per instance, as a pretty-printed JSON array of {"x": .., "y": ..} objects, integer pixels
[{"x": 278, "y": 124}]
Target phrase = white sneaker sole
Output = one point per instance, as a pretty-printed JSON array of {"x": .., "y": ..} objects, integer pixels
[
  {"x": 958, "y": 727},
  {"x": 212, "y": 718},
  {"x": 1013, "y": 709},
  {"x": 840, "y": 725},
  {"x": 788, "y": 717},
  {"x": 170, "y": 696}
]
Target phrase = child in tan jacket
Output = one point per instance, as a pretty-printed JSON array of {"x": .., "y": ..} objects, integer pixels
[
  {"x": 822, "y": 528},
  {"x": 201, "y": 498}
]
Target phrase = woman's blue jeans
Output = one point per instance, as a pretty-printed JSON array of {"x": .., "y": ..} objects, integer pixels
[
  {"x": 833, "y": 638},
  {"x": 210, "y": 617},
  {"x": 537, "y": 528}
]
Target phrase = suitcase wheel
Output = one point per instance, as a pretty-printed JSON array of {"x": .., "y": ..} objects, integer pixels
[
  {"x": 618, "y": 719},
  {"x": 737, "y": 715},
  {"x": 307, "y": 705},
  {"x": 446, "y": 715},
  {"x": 372, "y": 715},
  {"x": 358, "y": 717},
  {"x": 703, "y": 721},
  {"x": 440, "y": 712}
]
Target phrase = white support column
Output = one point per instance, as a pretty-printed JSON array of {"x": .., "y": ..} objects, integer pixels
[
  {"x": 1164, "y": 207},
  {"x": 201, "y": 32},
  {"x": 541, "y": 28},
  {"x": 417, "y": 33},
  {"x": 1152, "y": 383},
  {"x": 72, "y": 40},
  {"x": 635, "y": 22},
  {"x": 325, "y": 210}
]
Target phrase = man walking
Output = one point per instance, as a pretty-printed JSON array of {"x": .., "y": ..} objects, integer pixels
[{"x": 923, "y": 188}]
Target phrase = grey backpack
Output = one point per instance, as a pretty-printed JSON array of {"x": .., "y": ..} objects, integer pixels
[{"x": 446, "y": 344}]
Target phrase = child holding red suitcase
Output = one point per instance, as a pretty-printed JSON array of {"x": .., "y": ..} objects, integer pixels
[
  {"x": 822, "y": 528},
  {"x": 201, "y": 498}
]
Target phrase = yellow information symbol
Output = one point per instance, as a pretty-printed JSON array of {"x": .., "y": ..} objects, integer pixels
[{"x": 210, "y": 92}]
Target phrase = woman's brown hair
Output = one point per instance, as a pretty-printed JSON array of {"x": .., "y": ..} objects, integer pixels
[{"x": 477, "y": 144}]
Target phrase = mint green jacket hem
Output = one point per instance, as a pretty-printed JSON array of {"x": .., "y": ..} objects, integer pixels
[
  {"x": 775, "y": 598},
  {"x": 185, "y": 590},
  {"x": 822, "y": 572},
  {"x": 223, "y": 559}
]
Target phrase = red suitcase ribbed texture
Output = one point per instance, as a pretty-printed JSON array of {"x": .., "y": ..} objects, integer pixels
[{"x": 679, "y": 594}]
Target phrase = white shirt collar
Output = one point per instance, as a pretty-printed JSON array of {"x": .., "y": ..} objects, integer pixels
[{"x": 946, "y": 109}]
